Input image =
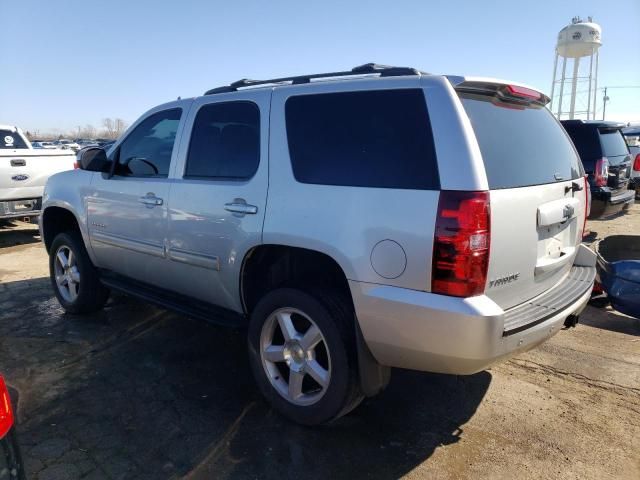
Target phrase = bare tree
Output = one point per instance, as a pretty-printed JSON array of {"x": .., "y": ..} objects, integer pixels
[
  {"x": 89, "y": 131},
  {"x": 113, "y": 127},
  {"x": 109, "y": 128},
  {"x": 120, "y": 126}
]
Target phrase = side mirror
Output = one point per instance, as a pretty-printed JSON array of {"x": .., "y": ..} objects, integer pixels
[{"x": 94, "y": 159}]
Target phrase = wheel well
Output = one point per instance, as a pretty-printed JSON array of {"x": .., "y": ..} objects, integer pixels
[
  {"x": 268, "y": 267},
  {"x": 56, "y": 220}
]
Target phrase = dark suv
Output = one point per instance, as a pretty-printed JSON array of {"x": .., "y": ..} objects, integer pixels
[{"x": 607, "y": 160}]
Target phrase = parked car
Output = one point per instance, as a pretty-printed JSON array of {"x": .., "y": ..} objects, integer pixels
[
  {"x": 369, "y": 219},
  {"x": 43, "y": 144},
  {"x": 632, "y": 137},
  {"x": 83, "y": 143},
  {"x": 67, "y": 145},
  {"x": 606, "y": 160},
  {"x": 11, "y": 465},
  {"x": 24, "y": 172}
]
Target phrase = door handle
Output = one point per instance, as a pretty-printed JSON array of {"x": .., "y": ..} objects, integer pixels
[
  {"x": 240, "y": 207},
  {"x": 151, "y": 200}
]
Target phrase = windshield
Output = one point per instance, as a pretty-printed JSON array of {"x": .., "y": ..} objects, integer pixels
[
  {"x": 11, "y": 140},
  {"x": 520, "y": 145}
]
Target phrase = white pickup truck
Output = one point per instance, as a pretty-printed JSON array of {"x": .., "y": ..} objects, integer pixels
[{"x": 24, "y": 172}]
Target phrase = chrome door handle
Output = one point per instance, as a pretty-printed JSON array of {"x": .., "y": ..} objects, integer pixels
[
  {"x": 238, "y": 207},
  {"x": 150, "y": 199}
]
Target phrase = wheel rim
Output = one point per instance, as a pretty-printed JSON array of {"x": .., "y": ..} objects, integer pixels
[
  {"x": 295, "y": 356},
  {"x": 66, "y": 273}
]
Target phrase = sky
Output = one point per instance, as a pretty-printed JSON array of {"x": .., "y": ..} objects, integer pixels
[{"x": 68, "y": 63}]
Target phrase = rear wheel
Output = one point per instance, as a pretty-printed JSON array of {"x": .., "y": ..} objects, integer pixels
[
  {"x": 303, "y": 354},
  {"x": 74, "y": 279}
]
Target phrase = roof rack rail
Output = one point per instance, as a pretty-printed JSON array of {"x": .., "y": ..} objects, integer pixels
[{"x": 366, "y": 69}]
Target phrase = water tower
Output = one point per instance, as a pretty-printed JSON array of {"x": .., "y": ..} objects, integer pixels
[{"x": 576, "y": 41}]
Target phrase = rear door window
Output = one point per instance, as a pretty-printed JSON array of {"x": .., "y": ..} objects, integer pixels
[
  {"x": 379, "y": 138},
  {"x": 520, "y": 145},
  {"x": 11, "y": 140},
  {"x": 225, "y": 141},
  {"x": 613, "y": 145}
]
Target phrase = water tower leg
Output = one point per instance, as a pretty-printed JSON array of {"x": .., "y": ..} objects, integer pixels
[
  {"x": 564, "y": 69},
  {"x": 574, "y": 85},
  {"x": 589, "y": 95},
  {"x": 553, "y": 83},
  {"x": 595, "y": 87}
]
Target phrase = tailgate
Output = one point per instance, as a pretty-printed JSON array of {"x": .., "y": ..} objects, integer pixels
[
  {"x": 24, "y": 173},
  {"x": 535, "y": 232},
  {"x": 537, "y": 194}
]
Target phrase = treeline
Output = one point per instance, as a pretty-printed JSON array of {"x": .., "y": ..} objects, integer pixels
[{"x": 111, "y": 129}]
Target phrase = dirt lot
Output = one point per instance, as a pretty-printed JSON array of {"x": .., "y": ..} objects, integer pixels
[{"x": 138, "y": 392}]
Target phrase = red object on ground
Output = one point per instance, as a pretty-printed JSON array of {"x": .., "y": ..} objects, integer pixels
[{"x": 6, "y": 413}]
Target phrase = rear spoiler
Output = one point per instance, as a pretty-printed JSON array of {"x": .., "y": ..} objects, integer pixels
[{"x": 499, "y": 88}]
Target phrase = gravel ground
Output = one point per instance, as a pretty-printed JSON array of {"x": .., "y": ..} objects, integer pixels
[{"x": 137, "y": 392}]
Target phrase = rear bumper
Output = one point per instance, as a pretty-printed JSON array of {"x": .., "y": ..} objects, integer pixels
[
  {"x": 16, "y": 208},
  {"x": 423, "y": 331},
  {"x": 604, "y": 203}
]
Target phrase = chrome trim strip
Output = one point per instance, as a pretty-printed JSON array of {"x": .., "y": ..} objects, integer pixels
[
  {"x": 196, "y": 259},
  {"x": 129, "y": 244}
]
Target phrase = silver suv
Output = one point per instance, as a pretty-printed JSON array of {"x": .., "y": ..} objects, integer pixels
[{"x": 353, "y": 221}]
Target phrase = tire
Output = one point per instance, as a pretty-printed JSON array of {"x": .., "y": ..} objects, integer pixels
[
  {"x": 83, "y": 292},
  {"x": 335, "y": 353}
]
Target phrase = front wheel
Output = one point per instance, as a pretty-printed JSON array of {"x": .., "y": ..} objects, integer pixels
[
  {"x": 302, "y": 353},
  {"x": 74, "y": 279}
]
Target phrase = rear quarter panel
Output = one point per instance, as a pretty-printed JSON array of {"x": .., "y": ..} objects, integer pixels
[{"x": 345, "y": 222}]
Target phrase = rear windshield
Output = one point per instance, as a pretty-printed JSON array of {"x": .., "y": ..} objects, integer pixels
[
  {"x": 10, "y": 140},
  {"x": 520, "y": 145},
  {"x": 613, "y": 144},
  {"x": 379, "y": 138}
]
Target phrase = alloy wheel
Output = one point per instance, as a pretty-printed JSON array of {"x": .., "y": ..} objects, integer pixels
[
  {"x": 67, "y": 274},
  {"x": 295, "y": 356}
]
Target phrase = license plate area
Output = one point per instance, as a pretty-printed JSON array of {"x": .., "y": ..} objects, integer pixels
[
  {"x": 556, "y": 245},
  {"x": 552, "y": 239}
]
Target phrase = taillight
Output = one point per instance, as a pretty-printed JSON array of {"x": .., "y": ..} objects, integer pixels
[
  {"x": 601, "y": 173},
  {"x": 461, "y": 244},
  {"x": 636, "y": 163},
  {"x": 76, "y": 165},
  {"x": 6, "y": 414}
]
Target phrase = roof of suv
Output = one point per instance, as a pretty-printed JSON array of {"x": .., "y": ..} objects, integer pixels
[
  {"x": 366, "y": 69},
  {"x": 377, "y": 71},
  {"x": 593, "y": 123}
]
